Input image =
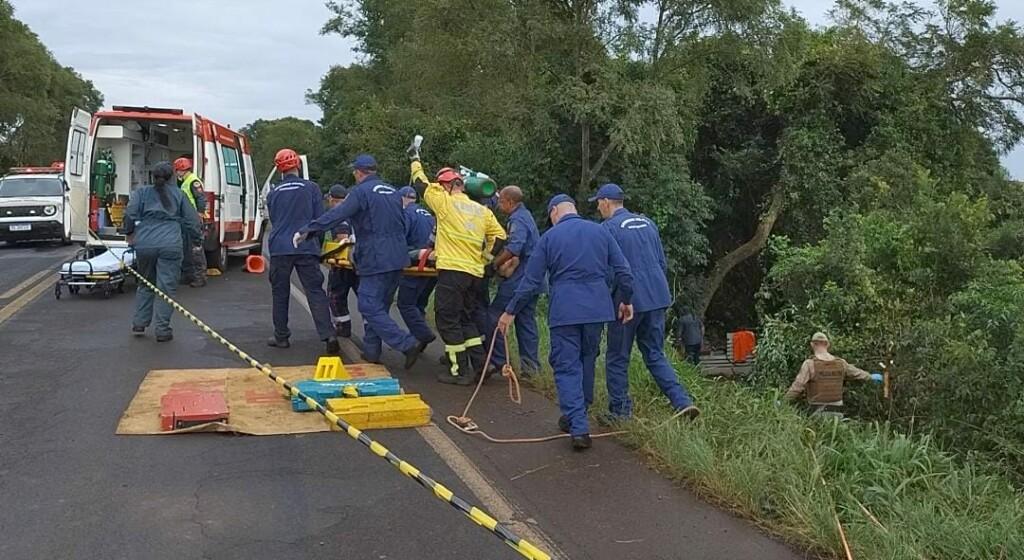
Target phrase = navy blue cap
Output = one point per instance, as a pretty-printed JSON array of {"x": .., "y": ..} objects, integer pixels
[
  {"x": 558, "y": 199},
  {"x": 364, "y": 162},
  {"x": 407, "y": 192},
  {"x": 338, "y": 191},
  {"x": 610, "y": 191}
]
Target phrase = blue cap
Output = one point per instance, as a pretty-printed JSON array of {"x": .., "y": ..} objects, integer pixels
[
  {"x": 558, "y": 199},
  {"x": 364, "y": 162},
  {"x": 338, "y": 191},
  {"x": 407, "y": 192},
  {"x": 610, "y": 191}
]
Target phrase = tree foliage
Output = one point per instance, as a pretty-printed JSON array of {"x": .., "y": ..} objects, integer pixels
[
  {"x": 37, "y": 95},
  {"x": 268, "y": 137},
  {"x": 864, "y": 155}
]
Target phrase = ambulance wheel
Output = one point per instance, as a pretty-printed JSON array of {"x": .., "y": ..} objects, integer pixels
[{"x": 218, "y": 258}]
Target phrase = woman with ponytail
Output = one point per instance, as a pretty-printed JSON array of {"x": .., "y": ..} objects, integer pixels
[{"x": 154, "y": 220}]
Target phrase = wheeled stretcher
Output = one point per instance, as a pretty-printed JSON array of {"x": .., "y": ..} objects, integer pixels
[{"x": 97, "y": 270}]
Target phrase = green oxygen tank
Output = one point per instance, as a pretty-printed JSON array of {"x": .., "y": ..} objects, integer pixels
[
  {"x": 478, "y": 185},
  {"x": 104, "y": 171}
]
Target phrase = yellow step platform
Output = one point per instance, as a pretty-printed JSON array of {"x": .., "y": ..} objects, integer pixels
[{"x": 371, "y": 413}]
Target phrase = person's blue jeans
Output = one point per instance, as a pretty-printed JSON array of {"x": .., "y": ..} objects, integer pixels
[
  {"x": 527, "y": 336},
  {"x": 410, "y": 294},
  {"x": 312, "y": 279},
  {"x": 647, "y": 329},
  {"x": 376, "y": 292},
  {"x": 574, "y": 350},
  {"x": 162, "y": 267}
]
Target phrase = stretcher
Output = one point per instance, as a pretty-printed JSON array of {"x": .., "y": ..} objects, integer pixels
[
  {"x": 421, "y": 261},
  {"x": 96, "y": 270}
]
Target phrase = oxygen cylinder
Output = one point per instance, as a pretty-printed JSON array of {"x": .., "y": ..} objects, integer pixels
[{"x": 478, "y": 185}]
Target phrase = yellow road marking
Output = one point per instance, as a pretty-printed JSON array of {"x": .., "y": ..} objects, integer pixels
[
  {"x": 25, "y": 284},
  {"x": 26, "y": 298}
]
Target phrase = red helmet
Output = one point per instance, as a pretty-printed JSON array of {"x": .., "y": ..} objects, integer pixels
[
  {"x": 182, "y": 164},
  {"x": 447, "y": 175},
  {"x": 286, "y": 160}
]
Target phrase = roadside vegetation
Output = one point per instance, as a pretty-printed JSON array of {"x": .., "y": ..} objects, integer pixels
[{"x": 897, "y": 496}]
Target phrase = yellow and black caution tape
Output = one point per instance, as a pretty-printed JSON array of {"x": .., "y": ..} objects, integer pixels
[{"x": 480, "y": 517}]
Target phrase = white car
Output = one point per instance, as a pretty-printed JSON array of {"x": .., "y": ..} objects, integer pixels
[{"x": 34, "y": 205}]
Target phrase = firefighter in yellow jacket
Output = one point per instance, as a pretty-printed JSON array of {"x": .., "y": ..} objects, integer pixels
[{"x": 466, "y": 234}]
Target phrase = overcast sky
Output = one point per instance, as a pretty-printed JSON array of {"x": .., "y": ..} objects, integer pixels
[{"x": 232, "y": 60}]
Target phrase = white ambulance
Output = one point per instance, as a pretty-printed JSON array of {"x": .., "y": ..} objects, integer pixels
[{"x": 111, "y": 153}]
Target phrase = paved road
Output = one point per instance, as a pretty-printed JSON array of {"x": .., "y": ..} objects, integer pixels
[{"x": 70, "y": 488}]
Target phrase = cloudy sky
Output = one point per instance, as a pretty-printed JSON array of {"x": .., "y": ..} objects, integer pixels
[{"x": 232, "y": 60}]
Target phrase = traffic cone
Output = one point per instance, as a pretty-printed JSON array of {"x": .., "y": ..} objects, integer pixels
[{"x": 255, "y": 264}]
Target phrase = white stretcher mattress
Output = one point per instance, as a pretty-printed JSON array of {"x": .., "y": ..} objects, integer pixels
[{"x": 105, "y": 262}]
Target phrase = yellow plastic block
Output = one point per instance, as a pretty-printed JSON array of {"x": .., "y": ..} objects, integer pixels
[
  {"x": 329, "y": 367},
  {"x": 370, "y": 413}
]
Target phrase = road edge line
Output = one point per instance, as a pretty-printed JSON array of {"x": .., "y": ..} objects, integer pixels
[
  {"x": 8, "y": 311},
  {"x": 9, "y": 294}
]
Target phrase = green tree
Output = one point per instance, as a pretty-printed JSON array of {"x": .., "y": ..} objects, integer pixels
[
  {"x": 268, "y": 137},
  {"x": 37, "y": 95}
]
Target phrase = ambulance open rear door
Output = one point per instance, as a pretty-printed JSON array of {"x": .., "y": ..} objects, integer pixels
[{"x": 77, "y": 172}]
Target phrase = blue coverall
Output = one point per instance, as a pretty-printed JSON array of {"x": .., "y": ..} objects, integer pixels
[
  {"x": 414, "y": 291},
  {"x": 523, "y": 237},
  {"x": 291, "y": 204},
  {"x": 157, "y": 232},
  {"x": 380, "y": 254},
  {"x": 579, "y": 257},
  {"x": 339, "y": 282},
  {"x": 638, "y": 238}
]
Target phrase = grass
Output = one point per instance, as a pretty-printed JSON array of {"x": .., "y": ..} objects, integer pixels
[{"x": 896, "y": 496}]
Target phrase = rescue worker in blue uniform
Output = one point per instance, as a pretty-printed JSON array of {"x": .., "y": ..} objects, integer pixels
[
  {"x": 414, "y": 291},
  {"x": 640, "y": 242},
  {"x": 579, "y": 257},
  {"x": 380, "y": 254},
  {"x": 341, "y": 280},
  {"x": 291, "y": 204},
  {"x": 510, "y": 265}
]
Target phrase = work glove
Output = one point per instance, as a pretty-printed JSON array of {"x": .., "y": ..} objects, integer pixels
[
  {"x": 876, "y": 377},
  {"x": 298, "y": 238}
]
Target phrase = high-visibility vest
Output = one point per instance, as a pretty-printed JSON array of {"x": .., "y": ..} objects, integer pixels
[{"x": 186, "y": 187}]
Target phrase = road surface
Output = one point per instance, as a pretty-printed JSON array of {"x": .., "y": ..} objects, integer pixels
[{"x": 71, "y": 488}]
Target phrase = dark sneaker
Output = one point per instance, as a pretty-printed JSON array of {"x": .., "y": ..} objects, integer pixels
[
  {"x": 333, "y": 348},
  {"x": 368, "y": 359},
  {"x": 580, "y": 443},
  {"x": 413, "y": 354},
  {"x": 449, "y": 379},
  {"x": 197, "y": 283},
  {"x": 690, "y": 413},
  {"x": 610, "y": 420},
  {"x": 164, "y": 337},
  {"x": 138, "y": 331},
  {"x": 563, "y": 424},
  {"x": 275, "y": 342}
]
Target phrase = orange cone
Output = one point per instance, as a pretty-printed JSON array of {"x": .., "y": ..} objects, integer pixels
[{"x": 255, "y": 264}]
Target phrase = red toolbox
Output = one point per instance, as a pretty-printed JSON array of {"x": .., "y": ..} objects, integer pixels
[{"x": 182, "y": 409}]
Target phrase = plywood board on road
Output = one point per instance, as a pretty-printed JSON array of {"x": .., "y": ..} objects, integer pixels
[{"x": 257, "y": 406}]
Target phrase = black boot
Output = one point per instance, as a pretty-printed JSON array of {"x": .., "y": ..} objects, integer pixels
[
  {"x": 333, "y": 348},
  {"x": 580, "y": 443},
  {"x": 413, "y": 354},
  {"x": 563, "y": 424},
  {"x": 275, "y": 342},
  {"x": 344, "y": 330}
]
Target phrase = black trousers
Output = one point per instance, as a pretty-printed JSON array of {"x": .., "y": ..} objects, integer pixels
[{"x": 456, "y": 301}]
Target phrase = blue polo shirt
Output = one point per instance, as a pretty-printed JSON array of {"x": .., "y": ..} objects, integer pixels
[{"x": 640, "y": 242}]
